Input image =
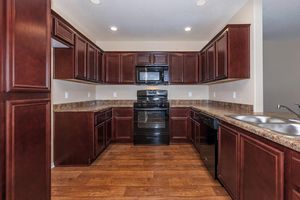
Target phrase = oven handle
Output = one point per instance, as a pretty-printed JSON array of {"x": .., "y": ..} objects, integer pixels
[{"x": 151, "y": 109}]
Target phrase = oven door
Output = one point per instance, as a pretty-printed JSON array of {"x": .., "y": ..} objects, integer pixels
[
  {"x": 149, "y": 75},
  {"x": 151, "y": 121}
]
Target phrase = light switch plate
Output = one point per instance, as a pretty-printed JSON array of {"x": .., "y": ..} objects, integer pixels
[
  {"x": 115, "y": 94},
  {"x": 190, "y": 94},
  {"x": 66, "y": 95},
  {"x": 234, "y": 95}
]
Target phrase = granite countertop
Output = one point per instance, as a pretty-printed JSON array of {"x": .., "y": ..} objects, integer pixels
[{"x": 221, "y": 112}]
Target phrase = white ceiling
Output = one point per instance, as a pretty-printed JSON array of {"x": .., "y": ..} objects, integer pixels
[
  {"x": 149, "y": 20},
  {"x": 281, "y": 19}
]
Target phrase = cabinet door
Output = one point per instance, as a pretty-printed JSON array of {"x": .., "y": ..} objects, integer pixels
[
  {"x": 176, "y": 67},
  {"x": 28, "y": 149},
  {"x": 63, "y": 31},
  {"x": 101, "y": 69},
  {"x": 80, "y": 58},
  {"x": 190, "y": 68},
  {"x": 160, "y": 59},
  {"x": 92, "y": 63},
  {"x": 144, "y": 59},
  {"x": 179, "y": 119},
  {"x": 210, "y": 63},
  {"x": 262, "y": 175},
  {"x": 128, "y": 64},
  {"x": 228, "y": 167},
  {"x": 112, "y": 67},
  {"x": 99, "y": 139},
  {"x": 123, "y": 124},
  {"x": 202, "y": 67},
  {"x": 293, "y": 186},
  {"x": 197, "y": 135},
  {"x": 27, "y": 57},
  {"x": 108, "y": 131},
  {"x": 221, "y": 56}
]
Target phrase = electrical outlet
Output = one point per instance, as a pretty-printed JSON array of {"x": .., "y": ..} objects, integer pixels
[
  {"x": 66, "y": 95},
  {"x": 190, "y": 94},
  {"x": 234, "y": 95},
  {"x": 115, "y": 94},
  {"x": 215, "y": 94},
  {"x": 89, "y": 94}
]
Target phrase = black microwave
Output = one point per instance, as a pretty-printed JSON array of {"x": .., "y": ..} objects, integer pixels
[{"x": 152, "y": 75}]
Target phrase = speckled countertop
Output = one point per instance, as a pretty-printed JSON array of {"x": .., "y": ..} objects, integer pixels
[{"x": 219, "y": 111}]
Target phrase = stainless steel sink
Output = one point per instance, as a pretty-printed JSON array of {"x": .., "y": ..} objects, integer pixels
[
  {"x": 286, "y": 129},
  {"x": 257, "y": 119}
]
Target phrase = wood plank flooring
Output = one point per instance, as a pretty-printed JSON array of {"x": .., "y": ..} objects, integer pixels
[{"x": 130, "y": 172}]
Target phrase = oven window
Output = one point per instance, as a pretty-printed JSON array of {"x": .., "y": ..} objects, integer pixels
[
  {"x": 151, "y": 119},
  {"x": 149, "y": 76}
]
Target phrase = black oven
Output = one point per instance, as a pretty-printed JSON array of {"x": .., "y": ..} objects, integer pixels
[
  {"x": 151, "y": 118},
  {"x": 152, "y": 75}
]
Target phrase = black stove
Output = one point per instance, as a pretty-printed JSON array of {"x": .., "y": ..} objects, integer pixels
[{"x": 151, "y": 118}]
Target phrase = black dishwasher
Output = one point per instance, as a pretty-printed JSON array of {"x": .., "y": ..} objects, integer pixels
[{"x": 206, "y": 140}]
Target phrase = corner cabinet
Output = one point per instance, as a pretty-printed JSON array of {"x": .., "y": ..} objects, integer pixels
[
  {"x": 244, "y": 174},
  {"x": 227, "y": 56}
]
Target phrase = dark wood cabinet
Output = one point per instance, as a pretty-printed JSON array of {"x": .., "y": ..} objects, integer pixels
[
  {"x": 191, "y": 68},
  {"x": 292, "y": 176},
  {"x": 112, "y": 67},
  {"x": 179, "y": 124},
  {"x": 101, "y": 68},
  {"x": 123, "y": 124},
  {"x": 227, "y": 55},
  {"x": 128, "y": 64},
  {"x": 80, "y": 58},
  {"x": 62, "y": 31},
  {"x": 265, "y": 180},
  {"x": 228, "y": 161},
  {"x": 79, "y": 137},
  {"x": 160, "y": 59},
  {"x": 176, "y": 67},
  {"x": 144, "y": 59},
  {"x": 184, "y": 68},
  {"x": 202, "y": 67},
  {"x": 92, "y": 63},
  {"x": 25, "y": 99},
  {"x": 221, "y": 56}
]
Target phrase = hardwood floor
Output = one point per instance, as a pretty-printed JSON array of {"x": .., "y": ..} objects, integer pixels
[{"x": 130, "y": 172}]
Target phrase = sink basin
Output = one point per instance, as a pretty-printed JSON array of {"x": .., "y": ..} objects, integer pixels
[
  {"x": 258, "y": 119},
  {"x": 286, "y": 129}
]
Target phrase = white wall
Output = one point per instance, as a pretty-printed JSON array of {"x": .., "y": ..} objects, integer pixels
[
  {"x": 76, "y": 92},
  {"x": 151, "y": 45},
  {"x": 128, "y": 92},
  {"x": 247, "y": 91},
  {"x": 281, "y": 73}
]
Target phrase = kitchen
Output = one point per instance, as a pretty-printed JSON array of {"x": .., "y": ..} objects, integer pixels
[{"x": 154, "y": 100}]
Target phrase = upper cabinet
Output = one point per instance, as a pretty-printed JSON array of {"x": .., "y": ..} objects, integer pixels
[
  {"x": 152, "y": 58},
  {"x": 80, "y": 59},
  {"x": 184, "y": 68},
  {"x": 227, "y": 56},
  {"x": 128, "y": 63},
  {"x": 112, "y": 67}
]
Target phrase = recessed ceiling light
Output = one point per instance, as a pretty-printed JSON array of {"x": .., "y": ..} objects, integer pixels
[
  {"x": 188, "y": 29},
  {"x": 95, "y": 1},
  {"x": 201, "y": 2},
  {"x": 113, "y": 28}
]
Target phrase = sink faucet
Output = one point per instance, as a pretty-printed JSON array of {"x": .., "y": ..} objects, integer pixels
[{"x": 283, "y": 106}]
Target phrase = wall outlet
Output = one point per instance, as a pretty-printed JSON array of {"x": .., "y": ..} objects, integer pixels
[
  {"x": 115, "y": 94},
  {"x": 190, "y": 94},
  {"x": 89, "y": 94},
  {"x": 66, "y": 95},
  {"x": 215, "y": 94},
  {"x": 234, "y": 95}
]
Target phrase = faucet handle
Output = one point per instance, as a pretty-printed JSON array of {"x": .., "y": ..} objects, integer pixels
[{"x": 297, "y": 105}]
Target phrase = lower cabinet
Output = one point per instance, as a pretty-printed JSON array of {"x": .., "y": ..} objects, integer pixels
[
  {"x": 179, "y": 124},
  {"x": 228, "y": 161},
  {"x": 292, "y": 176},
  {"x": 250, "y": 167},
  {"x": 79, "y": 137},
  {"x": 123, "y": 124}
]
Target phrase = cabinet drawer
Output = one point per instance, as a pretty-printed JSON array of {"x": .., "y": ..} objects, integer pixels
[
  {"x": 62, "y": 31},
  {"x": 123, "y": 112},
  {"x": 99, "y": 118},
  {"x": 180, "y": 112},
  {"x": 295, "y": 172}
]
